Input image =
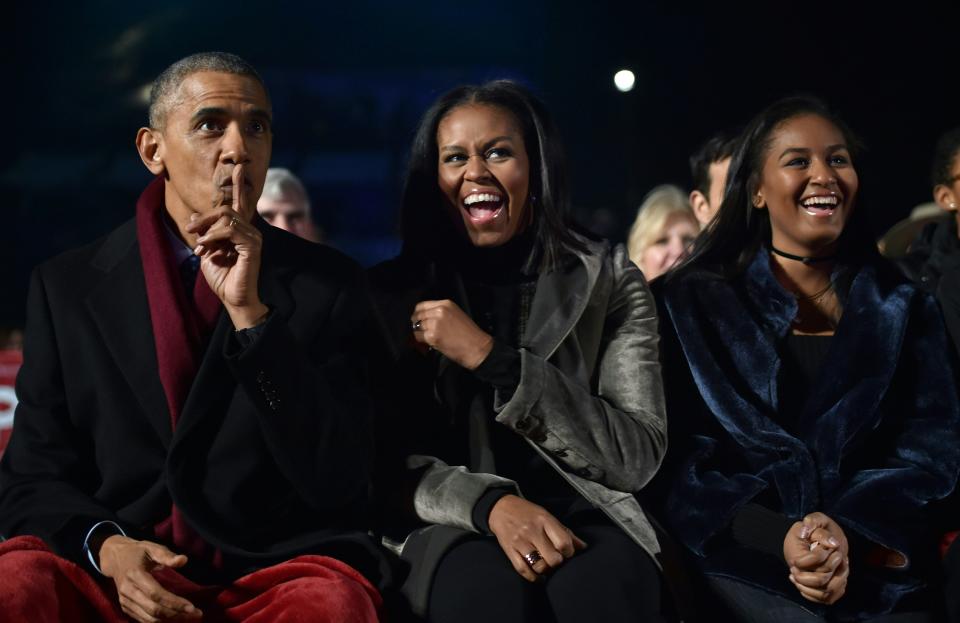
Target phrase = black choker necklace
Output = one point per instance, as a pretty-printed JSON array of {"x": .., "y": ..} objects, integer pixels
[{"x": 800, "y": 258}]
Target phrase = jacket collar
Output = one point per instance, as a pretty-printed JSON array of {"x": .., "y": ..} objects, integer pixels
[
  {"x": 561, "y": 297},
  {"x": 118, "y": 305},
  {"x": 730, "y": 332}
]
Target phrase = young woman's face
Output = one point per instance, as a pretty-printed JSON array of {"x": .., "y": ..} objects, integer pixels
[
  {"x": 484, "y": 173},
  {"x": 808, "y": 185},
  {"x": 669, "y": 247}
]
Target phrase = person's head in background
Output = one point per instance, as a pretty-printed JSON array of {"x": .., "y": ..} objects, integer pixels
[
  {"x": 946, "y": 172},
  {"x": 663, "y": 231},
  {"x": 284, "y": 203},
  {"x": 708, "y": 166}
]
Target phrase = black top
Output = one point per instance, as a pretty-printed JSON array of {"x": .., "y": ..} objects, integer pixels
[
  {"x": 499, "y": 288},
  {"x": 761, "y": 525},
  {"x": 801, "y": 359}
]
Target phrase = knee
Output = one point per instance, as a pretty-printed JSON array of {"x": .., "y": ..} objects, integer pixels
[
  {"x": 476, "y": 582},
  {"x": 630, "y": 582},
  {"x": 321, "y": 600},
  {"x": 31, "y": 585}
]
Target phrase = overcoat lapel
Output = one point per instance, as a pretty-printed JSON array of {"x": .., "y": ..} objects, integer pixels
[{"x": 118, "y": 305}]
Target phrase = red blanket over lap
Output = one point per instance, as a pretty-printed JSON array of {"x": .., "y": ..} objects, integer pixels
[{"x": 38, "y": 586}]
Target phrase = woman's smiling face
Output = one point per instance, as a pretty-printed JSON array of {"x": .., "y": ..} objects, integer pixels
[
  {"x": 484, "y": 172},
  {"x": 808, "y": 185}
]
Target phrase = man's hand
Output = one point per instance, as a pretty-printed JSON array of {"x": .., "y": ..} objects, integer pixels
[
  {"x": 443, "y": 326},
  {"x": 522, "y": 528},
  {"x": 129, "y": 563},
  {"x": 229, "y": 249},
  {"x": 817, "y": 552}
]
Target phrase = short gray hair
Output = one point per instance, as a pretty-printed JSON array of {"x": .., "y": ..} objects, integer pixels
[
  {"x": 170, "y": 79},
  {"x": 282, "y": 183}
]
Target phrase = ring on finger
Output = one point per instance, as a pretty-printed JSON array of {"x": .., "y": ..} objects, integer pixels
[
  {"x": 533, "y": 557},
  {"x": 234, "y": 221}
]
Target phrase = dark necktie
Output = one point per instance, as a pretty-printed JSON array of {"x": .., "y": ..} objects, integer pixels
[{"x": 188, "y": 274}]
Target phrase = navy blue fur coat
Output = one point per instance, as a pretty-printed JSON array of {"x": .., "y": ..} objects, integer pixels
[{"x": 878, "y": 441}]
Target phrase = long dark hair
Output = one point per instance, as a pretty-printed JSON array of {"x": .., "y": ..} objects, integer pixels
[
  {"x": 425, "y": 224},
  {"x": 739, "y": 230}
]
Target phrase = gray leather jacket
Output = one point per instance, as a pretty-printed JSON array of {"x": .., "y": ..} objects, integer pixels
[{"x": 590, "y": 398}]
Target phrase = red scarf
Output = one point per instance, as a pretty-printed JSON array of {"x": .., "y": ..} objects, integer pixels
[{"x": 181, "y": 330}]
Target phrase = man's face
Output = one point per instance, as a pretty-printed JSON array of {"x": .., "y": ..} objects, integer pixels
[
  {"x": 718, "y": 181},
  {"x": 288, "y": 213},
  {"x": 214, "y": 122}
]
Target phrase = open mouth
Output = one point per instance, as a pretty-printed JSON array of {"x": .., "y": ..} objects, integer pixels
[
  {"x": 483, "y": 207},
  {"x": 820, "y": 206}
]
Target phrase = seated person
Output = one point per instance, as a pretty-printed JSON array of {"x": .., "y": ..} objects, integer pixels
[
  {"x": 284, "y": 203},
  {"x": 663, "y": 231},
  {"x": 709, "y": 166},
  {"x": 933, "y": 261},
  {"x": 522, "y": 400},
  {"x": 814, "y": 416},
  {"x": 192, "y": 434}
]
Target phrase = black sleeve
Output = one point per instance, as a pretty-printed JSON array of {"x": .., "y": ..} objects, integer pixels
[
  {"x": 313, "y": 388},
  {"x": 481, "y": 510},
  {"x": 757, "y": 527},
  {"x": 49, "y": 470},
  {"x": 501, "y": 368},
  {"x": 245, "y": 337}
]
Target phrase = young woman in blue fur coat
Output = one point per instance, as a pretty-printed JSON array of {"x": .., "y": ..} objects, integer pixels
[{"x": 813, "y": 404}]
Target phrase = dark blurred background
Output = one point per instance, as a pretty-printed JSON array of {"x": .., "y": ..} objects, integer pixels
[{"x": 349, "y": 80}]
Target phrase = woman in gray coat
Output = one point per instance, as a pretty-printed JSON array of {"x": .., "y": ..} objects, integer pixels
[{"x": 522, "y": 404}]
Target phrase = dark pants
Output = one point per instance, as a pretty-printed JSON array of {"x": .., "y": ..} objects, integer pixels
[
  {"x": 612, "y": 580},
  {"x": 747, "y": 604}
]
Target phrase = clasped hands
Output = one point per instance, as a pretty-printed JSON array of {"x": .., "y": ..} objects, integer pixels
[{"x": 818, "y": 555}]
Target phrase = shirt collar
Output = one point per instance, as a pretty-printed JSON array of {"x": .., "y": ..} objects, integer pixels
[{"x": 180, "y": 249}]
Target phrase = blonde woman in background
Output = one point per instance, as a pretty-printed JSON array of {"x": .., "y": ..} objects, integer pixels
[{"x": 663, "y": 231}]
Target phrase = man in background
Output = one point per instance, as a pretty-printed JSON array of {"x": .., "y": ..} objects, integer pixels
[
  {"x": 285, "y": 204},
  {"x": 708, "y": 166}
]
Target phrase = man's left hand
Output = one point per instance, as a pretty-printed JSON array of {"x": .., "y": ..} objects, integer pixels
[{"x": 230, "y": 249}]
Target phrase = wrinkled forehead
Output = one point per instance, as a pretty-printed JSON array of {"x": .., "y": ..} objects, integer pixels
[{"x": 213, "y": 88}]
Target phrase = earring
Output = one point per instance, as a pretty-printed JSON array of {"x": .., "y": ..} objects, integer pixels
[{"x": 953, "y": 206}]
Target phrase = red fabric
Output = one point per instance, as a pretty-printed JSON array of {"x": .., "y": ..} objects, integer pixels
[
  {"x": 10, "y": 361},
  {"x": 37, "y": 586},
  {"x": 946, "y": 541},
  {"x": 180, "y": 333}
]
